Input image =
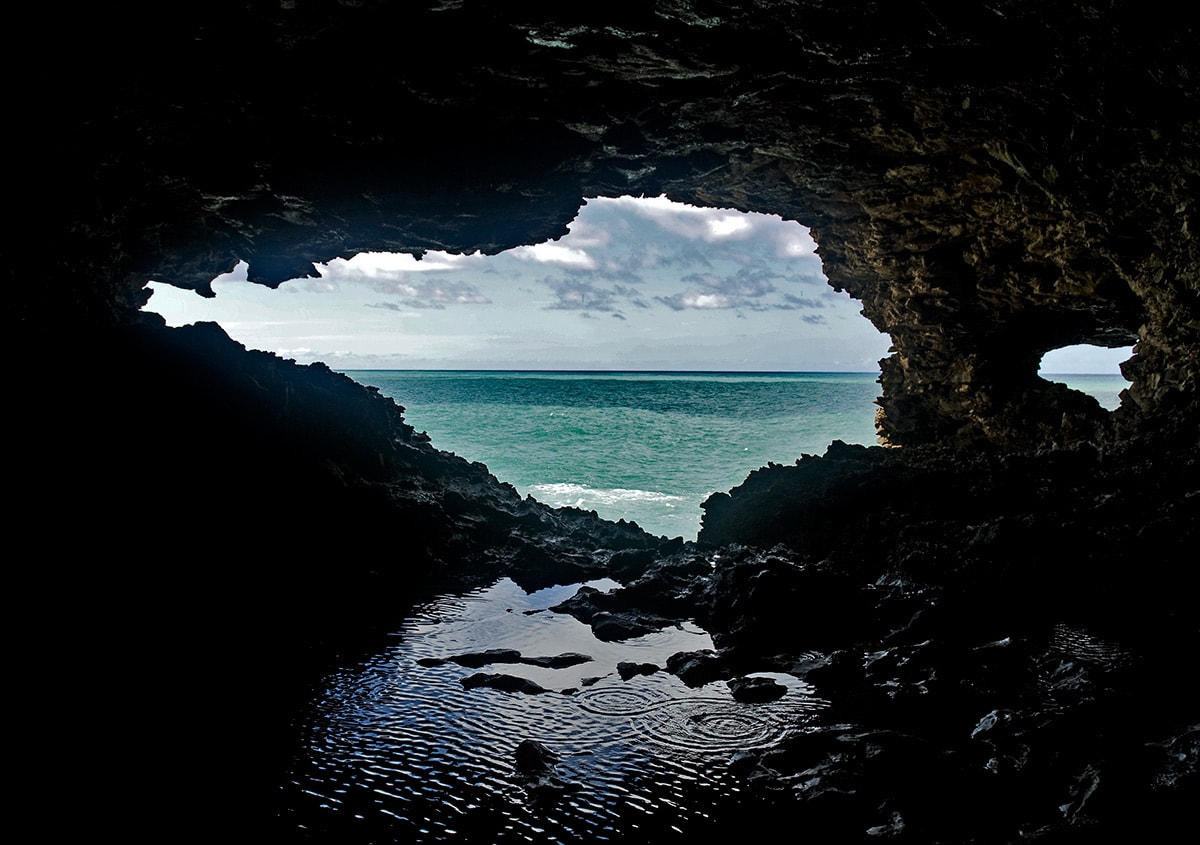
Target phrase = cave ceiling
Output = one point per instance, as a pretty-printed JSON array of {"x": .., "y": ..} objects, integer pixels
[{"x": 991, "y": 179}]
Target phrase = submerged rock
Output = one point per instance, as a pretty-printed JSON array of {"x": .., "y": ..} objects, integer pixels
[
  {"x": 534, "y": 759},
  {"x": 536, "y": 768}
]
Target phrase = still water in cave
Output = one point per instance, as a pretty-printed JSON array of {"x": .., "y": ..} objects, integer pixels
[{"x": 398, "y": 748}]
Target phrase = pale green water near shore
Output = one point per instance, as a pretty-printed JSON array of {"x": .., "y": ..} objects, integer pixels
[{"x": 642, "y": 446}]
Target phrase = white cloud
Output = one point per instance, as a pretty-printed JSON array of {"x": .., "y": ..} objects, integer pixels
[
  {"x": 586, "y": 235},
  {"x": 376, "y": 264},
  {"x": 692, "y": 299},
  {"x": 553, "y": 253},
  {"x": 669, "y": 278},
  {"x": 692, "y": 222},
  {"x": 707, "y": 300},
  {"x": 729, "y": 224},
  {"x": 795, "y": 245},
  {"x": 431, "y": 293}
]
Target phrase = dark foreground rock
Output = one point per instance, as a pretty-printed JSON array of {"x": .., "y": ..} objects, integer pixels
[
  {"x": 978, "y": 691},
  {"x": 1002, "y": 612}
]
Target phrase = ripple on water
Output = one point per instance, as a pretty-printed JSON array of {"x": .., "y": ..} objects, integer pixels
[{"x": 397, "y": 746}]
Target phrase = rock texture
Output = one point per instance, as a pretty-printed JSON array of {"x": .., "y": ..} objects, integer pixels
[
  {"x": 978, "y": 691},
  {"x": 991, "y": 179}
]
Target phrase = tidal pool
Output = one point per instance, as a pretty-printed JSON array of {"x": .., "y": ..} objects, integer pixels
[{"x": 397, "y": 749}]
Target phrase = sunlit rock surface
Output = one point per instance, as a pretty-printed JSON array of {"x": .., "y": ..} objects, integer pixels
[{"x": 991, "y": 180}]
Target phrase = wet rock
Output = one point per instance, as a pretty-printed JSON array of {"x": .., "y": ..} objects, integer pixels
[
  {"x": 583, "y": 605},
  {"x": 743, "y": 763},
  {"x": 628, "y": 669},
  {"x": 612, "y": 616},
  {"x": 614, "y": 627},
  {"x": 505, "y": 683},
  {"x": 558, "y": 661},
  {"x": 484, "y": 658},
  {"x": 697, "y": 668},
  {"x": 986, "y": 524},
  {"x": 536, "y": 768},
  {"x": 755, "y": 690},
  {"x": 892, "y": 828},
  {"x": 534, "y": 759},
  {"x": 773, "y": 602},
  {"x": 629, "y": 564},
  {"x": 477, "y": 659},
  {"x": 670, "y": 586}
]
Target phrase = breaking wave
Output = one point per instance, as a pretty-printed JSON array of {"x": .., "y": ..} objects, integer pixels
[{"x": 583, "y": 496}]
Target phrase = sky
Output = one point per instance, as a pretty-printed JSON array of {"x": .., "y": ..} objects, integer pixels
[{"x": 636, "y": 284}]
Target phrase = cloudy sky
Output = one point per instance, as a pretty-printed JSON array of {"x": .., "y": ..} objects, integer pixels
[{"x": 637, "y": 284}]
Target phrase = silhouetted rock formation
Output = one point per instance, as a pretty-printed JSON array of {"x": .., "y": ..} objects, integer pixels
[
  {"x": 987, "y": 203},
  {"x": 992, "y": 180}
]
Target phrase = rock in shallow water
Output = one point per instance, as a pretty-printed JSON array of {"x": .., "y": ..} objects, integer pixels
[
  {"x": 627, "y": 669},
  {"x": 534, "y": 758},
  {"x": 477, "y": 659},
  {"x": 536, "y": 768},
  {"x": 697, "y": 668},
  {"x": 506, "y": 683},
  {"x": 755, "y": 690}
]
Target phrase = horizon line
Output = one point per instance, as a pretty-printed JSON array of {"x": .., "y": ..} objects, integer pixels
[
  {"x": 606, "y": 370},
  {"x": 589, "y": 371}
]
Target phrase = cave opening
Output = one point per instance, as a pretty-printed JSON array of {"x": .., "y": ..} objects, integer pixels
[
  {"x": 637, "y": 283},
  {"x": 655, "y": 354},
  {"x": 1089, "y": 368}
]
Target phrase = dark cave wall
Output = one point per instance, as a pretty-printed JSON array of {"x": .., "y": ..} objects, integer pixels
[{"x": 992, "y": 180}]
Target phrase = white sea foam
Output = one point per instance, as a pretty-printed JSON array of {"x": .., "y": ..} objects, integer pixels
[
  {"x": 581, "y": 495},
  {"x": 643, "y": 447}
]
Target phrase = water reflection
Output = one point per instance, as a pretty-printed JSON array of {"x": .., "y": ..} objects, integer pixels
[{"x": 398, "y": 750}]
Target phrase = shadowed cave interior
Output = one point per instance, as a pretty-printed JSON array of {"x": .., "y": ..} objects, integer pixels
[{"x": 191, "y": 515}]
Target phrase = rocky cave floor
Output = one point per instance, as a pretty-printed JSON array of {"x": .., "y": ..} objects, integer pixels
[
  {"x": 1016, "y": 673},
  {"x": 1007, "y": 640}
]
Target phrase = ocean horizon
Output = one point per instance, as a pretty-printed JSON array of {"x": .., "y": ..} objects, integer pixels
[{"x": 646, "y": 446}]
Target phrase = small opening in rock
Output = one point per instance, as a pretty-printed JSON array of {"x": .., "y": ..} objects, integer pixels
[{"x": 1094, "y": 370}]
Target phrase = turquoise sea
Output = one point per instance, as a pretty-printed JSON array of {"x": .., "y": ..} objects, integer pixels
[{"x": 641, "y": 446}]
